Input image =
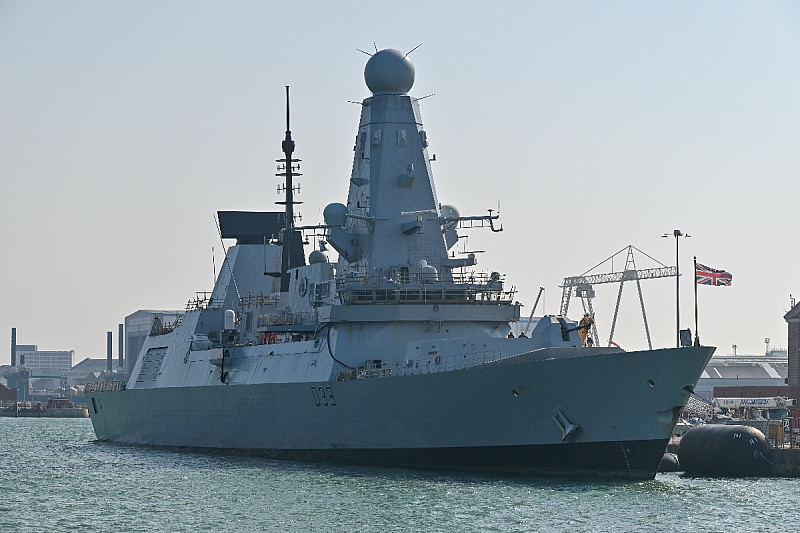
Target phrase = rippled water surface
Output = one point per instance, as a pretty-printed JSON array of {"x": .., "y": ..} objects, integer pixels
[{"x": 55, "y": 477}]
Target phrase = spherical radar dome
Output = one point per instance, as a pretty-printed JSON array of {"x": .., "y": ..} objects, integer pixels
[
  {"x": 389, "y": 71},
  {"x": 335, "y": 214},
  {"x": 317, "y": 257}
]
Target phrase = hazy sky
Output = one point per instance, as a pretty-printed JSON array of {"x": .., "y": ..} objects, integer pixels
[{"x": 594, "y": 125}]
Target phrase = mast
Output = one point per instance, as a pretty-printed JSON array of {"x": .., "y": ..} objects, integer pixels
[{"x": 288, "y": 168}]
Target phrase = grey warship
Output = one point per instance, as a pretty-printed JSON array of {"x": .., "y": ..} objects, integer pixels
[{"x": 397, "y": 354}]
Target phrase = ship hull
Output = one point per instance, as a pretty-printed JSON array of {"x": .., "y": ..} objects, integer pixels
[
  {"x": 622, "y": 460},
  {"x": 616, "y": 411}
]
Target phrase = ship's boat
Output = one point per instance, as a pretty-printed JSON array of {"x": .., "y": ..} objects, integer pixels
[{"x": 396, "y": 354}]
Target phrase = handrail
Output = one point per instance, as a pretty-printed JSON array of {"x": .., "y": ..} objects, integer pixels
[
  {"x": 286, "y": 317},
  {"x": 401, "y": 295},
  {"x": 783, "y": 432}
]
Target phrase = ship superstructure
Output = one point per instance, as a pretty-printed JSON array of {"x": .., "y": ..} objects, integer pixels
[{"x": 398, "y": 353}]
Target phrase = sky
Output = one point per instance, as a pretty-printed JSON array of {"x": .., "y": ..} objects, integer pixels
[{"x": 124, "y": 126}]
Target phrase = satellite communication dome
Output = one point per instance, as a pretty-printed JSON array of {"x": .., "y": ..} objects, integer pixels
[
  {"x": 448, "y": 211},
  {"x": 317, "y": 257},
  {"x": 428, "y": 273},
  {"x": 389, "y": 72},
  {"x": 335, "y": 214}
]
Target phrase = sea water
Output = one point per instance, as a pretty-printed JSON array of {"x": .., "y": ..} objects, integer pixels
[{"x": 54, "y": 476}]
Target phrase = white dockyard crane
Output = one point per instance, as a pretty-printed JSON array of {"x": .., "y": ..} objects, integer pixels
[{"x": 583, "y": 286}]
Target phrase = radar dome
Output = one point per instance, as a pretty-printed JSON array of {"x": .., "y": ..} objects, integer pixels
[
  {"x": 389, "y": 71},
  {"x": 317, "y": 257},
  {"x": 335, "y": 214},
  {"x": 428, "y": 273},
  {"x": 448, "y": 211}
]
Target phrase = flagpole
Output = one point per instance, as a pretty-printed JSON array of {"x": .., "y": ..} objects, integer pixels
[
  {"x": 677, "y": 292},
  {"x": 696, "y": 334}
]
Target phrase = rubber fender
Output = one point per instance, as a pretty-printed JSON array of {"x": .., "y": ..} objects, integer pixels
[
  {"x": 719, "y": 450},
  {"x": 669, "y": 463}
]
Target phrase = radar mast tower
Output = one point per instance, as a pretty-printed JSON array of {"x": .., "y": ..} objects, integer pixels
[{"x": 287, "y": 168}]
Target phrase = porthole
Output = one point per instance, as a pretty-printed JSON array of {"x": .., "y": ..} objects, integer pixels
[{"x": 651, "y": 383}]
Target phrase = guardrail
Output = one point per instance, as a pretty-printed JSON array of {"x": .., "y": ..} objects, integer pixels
[
  {"x": 783, "y": 432},
  {"x": 780, "y": 432},
  {"x": 424, "y": 295},
  {"x": 287, "y": 318},
  {"x": 422, "y": 288}
]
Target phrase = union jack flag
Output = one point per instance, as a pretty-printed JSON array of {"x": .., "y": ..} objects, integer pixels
[{"x": 711, "y": 276}]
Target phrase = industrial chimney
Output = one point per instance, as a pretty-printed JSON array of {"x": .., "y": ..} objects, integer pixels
[
  {"x": 13, "y": 347},
  {"x": 121, "y": 338},
  {"x": 109, "y": 354}
]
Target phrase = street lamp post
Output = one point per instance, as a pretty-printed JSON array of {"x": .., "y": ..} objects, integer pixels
[{"x": 677, "y": 233}]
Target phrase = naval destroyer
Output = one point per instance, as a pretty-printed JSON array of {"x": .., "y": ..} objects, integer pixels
[{"x": 398, "y": 353}]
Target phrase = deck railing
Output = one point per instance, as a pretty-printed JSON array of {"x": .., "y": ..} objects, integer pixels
[
  {"x": 783, "y": 432},
  {"x": 472, "y": 289}
]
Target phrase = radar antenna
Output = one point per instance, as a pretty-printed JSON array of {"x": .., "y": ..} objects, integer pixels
[{"x": 409, "y": 52}]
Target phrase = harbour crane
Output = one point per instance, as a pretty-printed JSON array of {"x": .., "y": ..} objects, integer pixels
[{"x": 583, "y": 287}]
